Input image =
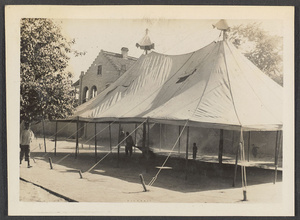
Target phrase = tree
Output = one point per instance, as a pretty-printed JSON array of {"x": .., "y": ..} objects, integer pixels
[
  {"x": 263, "y": 49},
  {"x": 46, "y": 85}
]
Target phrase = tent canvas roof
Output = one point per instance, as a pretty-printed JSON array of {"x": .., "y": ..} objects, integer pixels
[{"x": 215, "y": 86}]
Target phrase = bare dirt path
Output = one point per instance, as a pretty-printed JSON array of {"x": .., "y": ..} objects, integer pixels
[{"x": 118, "y": 181}]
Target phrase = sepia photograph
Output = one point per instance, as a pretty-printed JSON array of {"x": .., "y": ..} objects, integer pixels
[{"x": 150, "y": 110}]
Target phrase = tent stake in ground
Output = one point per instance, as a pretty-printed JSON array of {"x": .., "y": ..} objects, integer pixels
[
  {"x": 50, "y": 162},
  {"x": 143, "y": 182}
]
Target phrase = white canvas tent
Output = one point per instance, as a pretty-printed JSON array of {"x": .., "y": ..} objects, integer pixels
[{"x": 215, "y": 87}]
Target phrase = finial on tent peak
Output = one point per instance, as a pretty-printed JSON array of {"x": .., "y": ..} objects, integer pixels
[
  {"x": 223, "y": 26},
  {"x": 145, "y": 44}
]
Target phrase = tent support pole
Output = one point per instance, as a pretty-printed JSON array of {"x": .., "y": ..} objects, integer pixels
[
  {"x": 109, "y": 128},
  {"x": 44, "y": 136},
  {"x": 276, "y": 156},
  {"x": 119, "y": 140},
  {"x": 148, "y": 135},
  {"x": 95, "y": 142},
  {"x": 187, "y": 152},
  {"x": 235, "y": 166},
  {"x": 144, "y": 136},
  {"x": 249, "y": 144},
  {"x": 77, "y": 128},
  {"x": 243, "y": 167},
  {"x": 221, "y": 146},
  {"x": 179, "y": 131},
  {"x": 147, "y": 147},
  {"x": 55, "y": 137},
  {"x": 135, "y": 137},
  {"x": 160, "y": 137}
]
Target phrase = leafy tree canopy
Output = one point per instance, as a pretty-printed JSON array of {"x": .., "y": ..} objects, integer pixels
[
  {"x": 263, "y": 49},
  {"x": 46, "y": 86}
]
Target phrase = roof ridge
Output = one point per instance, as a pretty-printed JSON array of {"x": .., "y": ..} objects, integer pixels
[
  {"x": 118, "y": 54},
  {"x": 109, "y": 59}
]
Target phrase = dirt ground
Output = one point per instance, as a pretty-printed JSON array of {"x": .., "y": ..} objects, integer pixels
[{"x": 118, "y": 179}]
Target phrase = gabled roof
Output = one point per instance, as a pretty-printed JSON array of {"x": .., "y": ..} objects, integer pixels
[
  {"x": 215, "y": 86},
  {"x": 117, "y": 59}
]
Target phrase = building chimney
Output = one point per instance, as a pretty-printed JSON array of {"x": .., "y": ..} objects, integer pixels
[{"x": 124, "y": 51}]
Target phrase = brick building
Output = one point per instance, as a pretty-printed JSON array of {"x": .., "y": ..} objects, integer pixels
[{"x": 106, "y": 68}]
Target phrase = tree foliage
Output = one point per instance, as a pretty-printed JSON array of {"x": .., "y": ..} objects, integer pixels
[
  {"x": 46, "y": 86},
  {"x": 263, "y": 49}
]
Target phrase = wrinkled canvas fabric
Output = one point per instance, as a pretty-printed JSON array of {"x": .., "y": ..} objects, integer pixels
[{"x": 215, "y": 87}]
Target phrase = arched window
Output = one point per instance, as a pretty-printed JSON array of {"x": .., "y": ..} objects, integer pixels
[
  {"x": 93, "y": 91},
  {"x": 85, "y": 94}
]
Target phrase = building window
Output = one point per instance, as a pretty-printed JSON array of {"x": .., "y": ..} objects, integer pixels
[
  {"x": 99, "y": 70},
  {"x": 94, "y": 91},
  {"x": 85, "y": 94}
]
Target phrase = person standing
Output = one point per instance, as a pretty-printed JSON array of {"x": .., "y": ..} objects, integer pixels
[
  {"x": 25, "y": 140},
  {"x": 129, "y": 144},
  {"x": 195, "y": 149}
]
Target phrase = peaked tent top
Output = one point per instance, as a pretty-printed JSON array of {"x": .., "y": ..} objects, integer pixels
[
  {"x": 146, "y": 43},
  {"x": 215, "y": 86}
]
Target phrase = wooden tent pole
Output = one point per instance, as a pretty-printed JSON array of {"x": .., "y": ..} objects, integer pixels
[
  {"x": 236, "y": 163},
  {"x": 187, "y": 152},
  {"x": 135, "y": 138},
  {"x": 95, "y": 142},
  {"x": 55, "y": 137},
  {"x": 44, "y": 136},
  {"x": 148, "y": 135},
  {"x": 77, "y": 134},
  {"x": 147, "y": 147},
  {"x": 243, "y": 167},
  {"x": 144, "y": 136},
  {"x": 179, "y": 130},
  {"x": 119, "y": 140},
  {"x": 221, "y": 146},
  {"x": 276, "y": 156},
  {"x": 160, "y": 137},
  {"x": 110, "y": 146},
  {"x": 249, "y": 144}
]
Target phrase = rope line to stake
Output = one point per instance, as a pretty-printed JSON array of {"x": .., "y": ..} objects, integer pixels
[
  {"x": 76, "y": 131},
  {"x": 62, "y": 158},
  {"x": 155, "y": 177},
  {"x": 113, "y": 148}
]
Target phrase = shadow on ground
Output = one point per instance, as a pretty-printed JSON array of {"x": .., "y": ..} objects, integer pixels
[{"x": 201, "y": 176}]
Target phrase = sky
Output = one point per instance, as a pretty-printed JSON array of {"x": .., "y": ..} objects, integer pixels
[{"x": 170, "y": 36}]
